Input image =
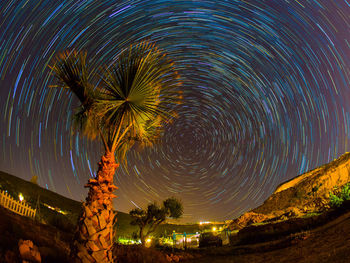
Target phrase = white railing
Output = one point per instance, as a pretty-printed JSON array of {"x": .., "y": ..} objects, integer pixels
[{"x": 18, "y": 207}]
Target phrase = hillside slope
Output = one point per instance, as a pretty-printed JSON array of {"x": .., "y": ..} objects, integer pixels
[
  {"x": 32, "y": 192},
  {"x": 304, "y": 194},
  {"x": 309, "y": 191}
]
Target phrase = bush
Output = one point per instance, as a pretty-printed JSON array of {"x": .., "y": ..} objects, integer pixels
[
  {"x": 345, "y": 192},
  {"x": 339, "y": 196},
  {"x": 335, "y": 201}
]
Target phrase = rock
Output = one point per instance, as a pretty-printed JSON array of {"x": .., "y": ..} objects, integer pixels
[
  {"x": 293, "y": 212},
  {"x": 309, "y": 191},
  {"x": 169, "y": 259},
  {"x": 28, "y": 251},
  {"x": 175, "y": 258},
  {"x": 248, "y": 219}
]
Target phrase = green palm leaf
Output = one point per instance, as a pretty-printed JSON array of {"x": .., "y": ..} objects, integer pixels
[
  {"x": 72, "y": 73},
  {"x": 137, "y": 97},
  {"x": 141, "y": 90}
]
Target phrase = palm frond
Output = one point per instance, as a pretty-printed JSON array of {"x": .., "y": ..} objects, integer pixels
[
  {"x": 137, "y": 98},
  {"x": 71, "y": 72},
  {"x": 142, "y": 87},
  {"x": 86, "y": 123}
]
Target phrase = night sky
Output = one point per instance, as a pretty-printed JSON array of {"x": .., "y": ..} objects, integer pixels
[{"x": 266, "y": 96}]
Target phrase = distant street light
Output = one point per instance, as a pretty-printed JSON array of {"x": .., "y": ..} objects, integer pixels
[{"x": 20, "y": 196}]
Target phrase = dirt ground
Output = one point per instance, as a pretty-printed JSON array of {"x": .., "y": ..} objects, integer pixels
[{"x": 329, "y": 243}]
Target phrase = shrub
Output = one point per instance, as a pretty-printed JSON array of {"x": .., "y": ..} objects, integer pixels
[
  {"x": 335, "y": 201},
  {"x": 337, "y": 197},
  {"x": 345, "y": 192}
]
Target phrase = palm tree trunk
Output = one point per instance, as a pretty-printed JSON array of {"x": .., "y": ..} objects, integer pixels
[{"x": 94, "y": 237}]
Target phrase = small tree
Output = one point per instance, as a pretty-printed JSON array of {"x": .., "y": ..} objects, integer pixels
[
  {"x": 128, "y": 103},
  {"x": 148, "y": 220}
]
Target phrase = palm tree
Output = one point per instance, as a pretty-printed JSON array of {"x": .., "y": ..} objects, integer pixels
[{"x": 131, "y": 103}]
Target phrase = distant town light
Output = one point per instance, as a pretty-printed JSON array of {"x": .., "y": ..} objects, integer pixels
[
  {"x": 148, "y": 240},
  {"x": 55, "y": 209},
  {"x": 62, "y": 212},
  {"x": 20, "y": 196},
  {"x": 214, "y": 228}
]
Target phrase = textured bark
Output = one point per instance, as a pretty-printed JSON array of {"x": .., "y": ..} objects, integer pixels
[{"x": 94, "y": 237}]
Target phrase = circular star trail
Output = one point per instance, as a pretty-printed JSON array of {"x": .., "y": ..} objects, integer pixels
[{"x": 265, "y": 86}]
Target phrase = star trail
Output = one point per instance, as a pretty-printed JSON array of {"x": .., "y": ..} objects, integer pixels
[{"x": 265, "y": 87}]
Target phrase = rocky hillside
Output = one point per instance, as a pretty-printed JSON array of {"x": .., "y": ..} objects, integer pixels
[{"x": 306, "y": 193}]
